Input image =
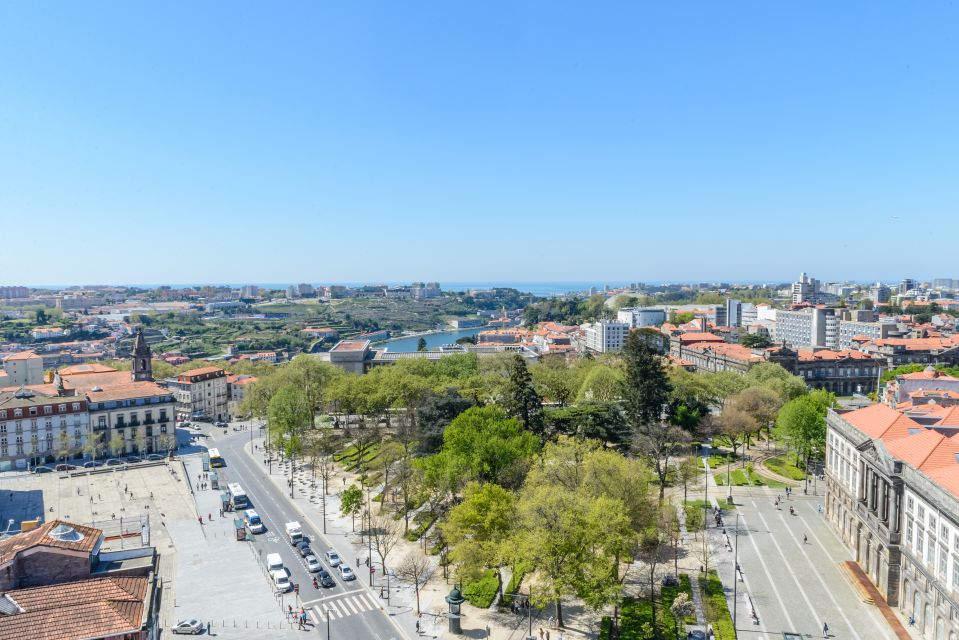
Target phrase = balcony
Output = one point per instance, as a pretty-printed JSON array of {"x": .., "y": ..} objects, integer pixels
[{"x": 149, "y": 421}]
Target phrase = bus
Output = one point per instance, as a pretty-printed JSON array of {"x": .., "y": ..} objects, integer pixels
[
  {"x": 238, "y": 496},
  {"x": 216, "y": 460}
]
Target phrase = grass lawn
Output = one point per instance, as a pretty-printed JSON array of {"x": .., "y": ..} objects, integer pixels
[
  {"x": 717, "y": 611},
  {"x": 719, "y": 459},
  {"x": 637, "y": 614},
  {"x": 784, "y": 466}
]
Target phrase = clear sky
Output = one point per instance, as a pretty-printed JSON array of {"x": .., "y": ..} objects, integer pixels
[{"x": 357, "y": 141}]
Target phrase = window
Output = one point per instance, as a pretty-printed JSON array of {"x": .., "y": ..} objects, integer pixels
[
  {"x": 17, "y": 413},
  {"x": 932, "y": 522},
  {"x": 47, "y": 409},
  {"x": 944, "y": 534},
  {"x": 76, "y": 406},
  {"x": 909, "y": 540},
  {"x": 920, "y": 544},
  {"x": 943, "y": 563},
  {"x": 909, "y": 502},
  {"x": 3, "y": 414},
  {"x": 922, "y": 513},
  {"x": 931, "y": 551},
  {"x": 62, "y": 408},
  {"x": 33, "y": 411}
]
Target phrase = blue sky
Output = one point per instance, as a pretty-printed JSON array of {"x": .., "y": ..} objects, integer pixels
[{"x": 319, "y": 141}]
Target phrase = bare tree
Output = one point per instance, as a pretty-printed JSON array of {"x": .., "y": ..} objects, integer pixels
[
  {"x": 417, "y": 569},
  {"x": 385, "y": 533},
  {"x": 660, "y": 442}
]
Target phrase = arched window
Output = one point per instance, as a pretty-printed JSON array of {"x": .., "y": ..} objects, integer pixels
[{"x": 940, "y": 629}]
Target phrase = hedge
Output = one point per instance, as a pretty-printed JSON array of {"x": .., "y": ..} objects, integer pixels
[
  {"x": 515, "y": 581},
  {"x": 482, "y": 592}
]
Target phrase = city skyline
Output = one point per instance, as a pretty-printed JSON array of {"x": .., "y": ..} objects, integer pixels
[{"x": 558, "y": 143}]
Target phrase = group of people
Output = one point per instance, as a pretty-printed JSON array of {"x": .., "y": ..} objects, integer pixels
[
  {"x": 299, "y": 616},
  {"x": 519, "y": 605}
]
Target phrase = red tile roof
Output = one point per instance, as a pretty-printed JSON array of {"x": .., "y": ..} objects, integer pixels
[
  {"x": 23, "y": 355},
  {"x": 96, "y": 608},
  {"x": 698, "y": 336},
  {"x": 87, "y": 539}
]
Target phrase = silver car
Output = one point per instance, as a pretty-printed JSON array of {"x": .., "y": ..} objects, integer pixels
[{"x": 189, "y": 627}]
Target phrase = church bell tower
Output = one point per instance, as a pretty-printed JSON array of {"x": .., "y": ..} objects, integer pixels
[{"x": 142, "y": 358}]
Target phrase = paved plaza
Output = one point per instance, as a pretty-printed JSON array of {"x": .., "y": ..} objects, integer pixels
[{"x": 795, "y": 585}]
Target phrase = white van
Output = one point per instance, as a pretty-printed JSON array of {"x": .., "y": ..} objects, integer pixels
[
  {"x": 282, "y": 581},
  {"x": 274, "y": 562}
]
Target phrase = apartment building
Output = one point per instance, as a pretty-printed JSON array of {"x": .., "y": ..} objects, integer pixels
[
  {"x": 639, "y": 317},
  {"x": 606, "y": 336},
  {"x": 39, "y": 423},
  {"x": 815, "y": 327},
  {"x": 201, "y": 394}
]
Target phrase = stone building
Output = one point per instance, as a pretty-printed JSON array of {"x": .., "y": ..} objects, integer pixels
[
  {"x": 39, "y": 422},
  {"x": 892, "y": 494},
  {"x": 201, "y": 394}
]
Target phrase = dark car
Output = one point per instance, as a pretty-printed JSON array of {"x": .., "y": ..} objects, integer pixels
[
  {"x": 133, "y": 460},
  {"x": 93, "y": 463},
  {"x": 65, "y": 467},
  {"x": 114, "y": 462},
  {"x": 304, "y": 549},
  {"x": 155, "y": 457},
  {"x": 325, "y": 579},
  {"x": 41, "y": 469}
]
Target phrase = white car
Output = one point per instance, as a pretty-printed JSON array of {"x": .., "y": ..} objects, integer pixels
[
  {"x": 333, "y": 558},
  {"x": 312, "y": 564},
  {"x": 282, "y": 581},
  {"x": 189, "y": 627},
  {"x": 346, "y": 573}
]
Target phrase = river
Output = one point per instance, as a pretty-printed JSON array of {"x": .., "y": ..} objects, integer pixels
[{"x": 433, "y": 340}]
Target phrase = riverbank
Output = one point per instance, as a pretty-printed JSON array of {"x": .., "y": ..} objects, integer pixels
[{"x": 435, "y": 338}]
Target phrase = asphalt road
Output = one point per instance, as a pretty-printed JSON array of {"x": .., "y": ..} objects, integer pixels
[{"x": 352, "y": 610}]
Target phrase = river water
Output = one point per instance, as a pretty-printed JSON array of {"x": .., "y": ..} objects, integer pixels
[{"x": 433, "y": 341}]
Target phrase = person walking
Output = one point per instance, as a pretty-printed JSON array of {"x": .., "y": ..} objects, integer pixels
[
  {"x": 541, "y": 633},
  {"x": 804, "y": 538},
  {"x": 825, "y": 630},
  {"x": 417, "y": 627}
]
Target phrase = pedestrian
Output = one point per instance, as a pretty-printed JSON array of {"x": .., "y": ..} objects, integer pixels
[
  {"x": 208, "y": 628},
  {"x": 541, "y": 633},
  {"x": 209, "y": 517},
  {"x": 547, "y": 634},
  {"x": 417, "y": 627},
  {"x": 825, "y": 630},
  {"x": 201, "y": 520},
  {"x": 289, "y": 610},
  {"x": 804, "y": 538}
]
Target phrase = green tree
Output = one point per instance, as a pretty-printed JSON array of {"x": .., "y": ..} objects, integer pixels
[
  {"x": 478, "y": 526},
  {"x": 290, "y": 414},
  {"x": 598, "y": 421},
  {"x": 601, "y": 384},
  {"x": 421, "y": 344},
  {"x": 483, "y": 444},
  {"x": 351, "y": 502},
  {"x": 756, "y": 341},
  {"x": 645, "y": 388},
  {"x": 772, "y": 376},
  {"x": 802, "y": 424},
  {"x": 117, "y": 445},
  {"x": 521, "y": 400},
  {"x": 435, "y": 413}
]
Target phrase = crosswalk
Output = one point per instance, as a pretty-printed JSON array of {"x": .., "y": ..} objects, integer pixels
[{"x": 347, "y": 605}]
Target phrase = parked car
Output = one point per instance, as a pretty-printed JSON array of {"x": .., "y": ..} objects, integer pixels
[
  {"x": 325, "y": 579},
  {"x": 333, "y": 558},
  {"x": 346, "y": 573},
  {"x": 219, "y": 424},
  {"x": 133, "y": 460},
  {"x": 42, "y": 469},
  {"x": 153, "y": 457},
  {"x": 93, "y": 463},
  {"x": 65, "y": 467},
  {"x": 312, "y": 564},
  {"x": 304, "y": 549},
  {"x": 189, "y": 627},
  {"x": 114, "y": 462}
]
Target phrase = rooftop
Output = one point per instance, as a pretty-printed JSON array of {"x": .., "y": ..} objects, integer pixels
[
  {"x": 351, "y": 345},
  {"x": 56, "y": 533},
  {"x": 100, "y": 607}
]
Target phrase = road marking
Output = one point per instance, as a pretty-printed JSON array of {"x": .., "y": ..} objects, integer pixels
[
  {"x": 313, "y": 616},
  {"x": 882, "y": 630},
  {"x": 769, "y": 576},
  {"x": 348, "y": 602}
]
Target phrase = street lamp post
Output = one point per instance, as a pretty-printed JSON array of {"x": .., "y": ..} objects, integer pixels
[{"x": 327, "y": 623}]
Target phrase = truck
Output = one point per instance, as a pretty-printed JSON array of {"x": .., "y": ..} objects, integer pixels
[{"x": 294, "y": 533}]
